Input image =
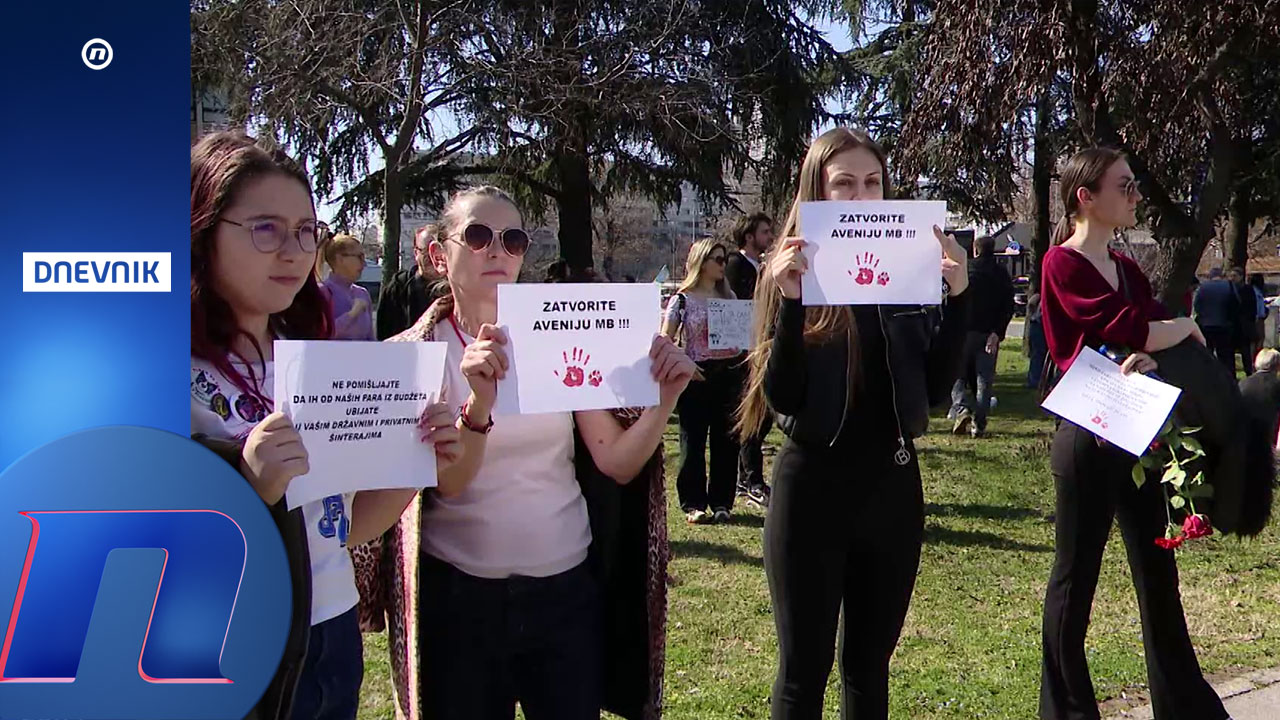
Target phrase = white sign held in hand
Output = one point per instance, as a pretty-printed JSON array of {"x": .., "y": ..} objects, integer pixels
[
  {"x": 577, "y": 346},
  {"x": 872, "y": 253},
  {"x": 356, "y": 406},
  {"x": 1127, "y": 410},
  {"x": 728, "y": 324}
]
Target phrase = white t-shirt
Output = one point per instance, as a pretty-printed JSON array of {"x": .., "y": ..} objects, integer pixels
[
  {"x": 220, "y": 410},
  {"x": 524, "y": 513}
]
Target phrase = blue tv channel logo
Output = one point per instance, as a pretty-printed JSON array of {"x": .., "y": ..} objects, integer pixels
[{"x": 140, "y": 578}]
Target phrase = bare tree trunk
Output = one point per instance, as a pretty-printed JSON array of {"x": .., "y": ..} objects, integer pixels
[
  {"x": 1042, "y": 168},
  {"x": 392, "y": 202},
  {"x": 1236, "y": 243},
  {"x": 1174, "y": 266},
  {"x": 574, "y": 209}
]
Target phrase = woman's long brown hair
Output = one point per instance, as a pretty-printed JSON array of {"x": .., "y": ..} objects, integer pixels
[
  {"x": 823, "y": 323},
  {"x": 1085, "y": 169}
]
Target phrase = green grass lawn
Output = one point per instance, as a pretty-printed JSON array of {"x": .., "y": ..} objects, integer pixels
[{"x": 971, "y": 646}]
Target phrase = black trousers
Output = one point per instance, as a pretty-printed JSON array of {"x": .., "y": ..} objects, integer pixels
[
  {"x": 862, "y": 558},
  {"x": 1094, "y": 484},
  {"x": 706, "y": 409},
  {"x": 751, "y": 457},
  {"x": 487, "y": 644},
  {"x": 1222, "y": 343},
  {"x": 329, "y": 686}
]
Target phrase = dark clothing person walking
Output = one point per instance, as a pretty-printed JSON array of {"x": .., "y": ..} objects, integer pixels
[
  {"x": 990, "y": 310},
  {"x": 1092, "y": 296}
]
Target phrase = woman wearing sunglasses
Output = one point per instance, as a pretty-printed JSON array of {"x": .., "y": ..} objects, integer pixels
[
  {"x": 1090, "y": 296},
  {"x": 707, "y": 406},
  {"x": 493, "y": 600}
]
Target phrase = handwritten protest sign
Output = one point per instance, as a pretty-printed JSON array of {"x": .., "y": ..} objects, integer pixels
[
  {"x": 1127, "y": 410},
  {"x": 872, "y": 253},
  {"x": 577, "y": 346},
  {"x": 728, "y": 324},
  {"x": 356, "y": 406}
]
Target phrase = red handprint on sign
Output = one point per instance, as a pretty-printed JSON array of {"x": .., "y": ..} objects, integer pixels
[
  {"x": 866, "y": 274},
  {"x": 1100, "y": 419},
  {"x": 573, "y": 373}
]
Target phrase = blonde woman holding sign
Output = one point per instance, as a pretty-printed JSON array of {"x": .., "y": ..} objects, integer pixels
[
  {"x": 495, "y": 600},
  {"x": 850, "y": 387},
  {"x": 706, "y": 407}
]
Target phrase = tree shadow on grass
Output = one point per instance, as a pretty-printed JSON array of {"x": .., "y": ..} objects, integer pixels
[
  {"x": 724, "y": 554},
  {"x": 969, "y": 538}
]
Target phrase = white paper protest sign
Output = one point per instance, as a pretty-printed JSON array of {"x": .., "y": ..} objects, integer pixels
[
  {"x": 728, "y": 324},
  {"x": 356, "y": 406},
  {"x": 1126, "y": 410},
  {"x": 872, "y": 252},
  {"x": 578, "y": 346}
]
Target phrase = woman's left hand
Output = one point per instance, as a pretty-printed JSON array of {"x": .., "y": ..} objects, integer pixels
[
  {"x": 439, "y": 428},
  {"x": 672, "y": 368},
  {"x": 955, "y": 262},
  {"x": 1140, "y": 363}
]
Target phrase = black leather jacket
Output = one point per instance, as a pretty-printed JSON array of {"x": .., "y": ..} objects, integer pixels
[
  {"x": 807, "y": 385},
  {"x": 277, "y": 701}
]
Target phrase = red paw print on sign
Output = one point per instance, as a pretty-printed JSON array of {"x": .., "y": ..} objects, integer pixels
[
  {"x": 866, "y": 272},
  {"x": 574, "y": 375},
  {"x": 1100, "y": 419}
]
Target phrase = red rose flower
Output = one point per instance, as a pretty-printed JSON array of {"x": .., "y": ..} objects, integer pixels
[
  {"x": 1169, "y": 543},
  {"x": 1155, "y": 446},
  {"x": 1196, "y": 526}
]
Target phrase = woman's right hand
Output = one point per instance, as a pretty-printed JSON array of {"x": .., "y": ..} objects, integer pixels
[
  {"x": 484, "y": 363},
  {"x": 787, "y": 265},
  {"x": 273, "y": 455}
]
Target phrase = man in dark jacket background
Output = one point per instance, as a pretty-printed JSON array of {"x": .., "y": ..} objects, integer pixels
[
  {"x": 1217, "y": 311},
  {"x": 990, "y": 310},
  {"x": 753, "y": 234},
  {"x": 410, "y": 292}
]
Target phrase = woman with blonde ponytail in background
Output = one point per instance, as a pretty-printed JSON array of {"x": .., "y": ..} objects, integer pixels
[{"x": 850, "y": 387}]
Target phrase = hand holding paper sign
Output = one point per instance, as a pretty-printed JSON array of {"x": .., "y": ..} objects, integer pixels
[
  {"x": 788, "y": 265},
  {"x": 484, "y": 363},
  {"x": 955, "y": 265},
  {"x": 439, "y": 428},
  {"x": 273, "y": 455}
]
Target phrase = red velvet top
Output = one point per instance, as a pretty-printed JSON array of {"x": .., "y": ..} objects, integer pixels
[{"x": 1079, "y": 307}]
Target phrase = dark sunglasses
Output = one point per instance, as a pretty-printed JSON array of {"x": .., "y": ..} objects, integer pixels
[
  {"x": 269, "y": 236},
  {"x": 720, "y": 259}
]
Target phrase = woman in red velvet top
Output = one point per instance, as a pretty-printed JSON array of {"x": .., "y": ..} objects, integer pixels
[{"x": 1092, "y": 296}]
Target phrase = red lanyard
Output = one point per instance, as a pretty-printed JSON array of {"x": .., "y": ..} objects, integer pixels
[{"x": 456, "y": 331}]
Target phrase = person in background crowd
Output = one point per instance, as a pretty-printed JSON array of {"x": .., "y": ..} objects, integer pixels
[
  {"x": 1259, "y": 286},
  {"x": 753, "y": 235},
  {"x": 851, "y": 387},
  {"x": 253, "y": 252},
  {"x": 493, "y": 598},
  {"x": 1091, "y": 296},
  {"x": 1034, "y": 341},
  {"x": 349, "y": 304},
  {"x": 1246, "y": 322},
  {"x": 1261, "y": 390},
  {"x": 410, "y": 292},
  {"x": 990, "y": 310},
  {"x": 706, "y": 408},
  {"x": 1217, "y": 311}
]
